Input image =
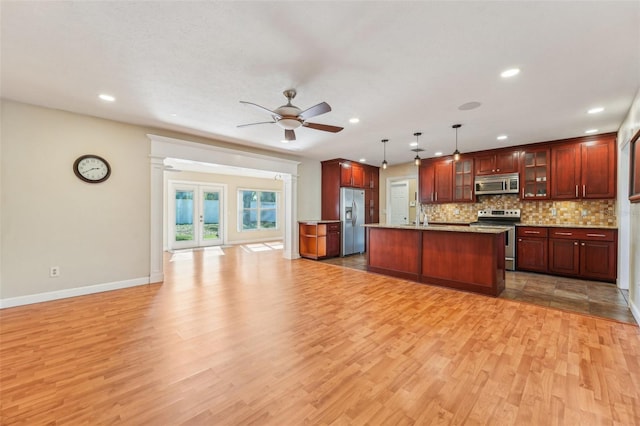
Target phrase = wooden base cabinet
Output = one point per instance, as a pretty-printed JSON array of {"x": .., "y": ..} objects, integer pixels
[
  {"x": 319, "y": 239},
  {"x": 583, "y": 253},
  {"x": 531, "y": 248}
]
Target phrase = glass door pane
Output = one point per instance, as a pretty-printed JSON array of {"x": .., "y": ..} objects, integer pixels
[
  {"x": 184, "y": 212},
  {"x": 210, "y": 216}
]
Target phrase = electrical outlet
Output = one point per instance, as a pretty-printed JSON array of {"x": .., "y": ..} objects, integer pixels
[
  {"x": 554, "y": 212},
  {"x": 584, "y": 212},
  {"x": 54, "y": 271},
  {"x": 456, "y": 212}
]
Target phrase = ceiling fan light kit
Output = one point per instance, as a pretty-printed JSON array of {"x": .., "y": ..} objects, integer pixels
[{"x": 289, "y": 117}]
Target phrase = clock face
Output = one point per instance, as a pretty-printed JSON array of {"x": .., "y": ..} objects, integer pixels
[{"x": 92, "y": 169}]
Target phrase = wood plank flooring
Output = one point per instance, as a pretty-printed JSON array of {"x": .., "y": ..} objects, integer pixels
[{"x": 250, "y": 338}]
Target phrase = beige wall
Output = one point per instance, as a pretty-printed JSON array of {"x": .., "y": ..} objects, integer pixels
[
  {"x": 97, "y": 234},
  {"x": 233, "y": 184}
]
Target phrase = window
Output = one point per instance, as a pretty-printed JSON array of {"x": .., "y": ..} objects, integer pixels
[{"x": 257, "y": 209}]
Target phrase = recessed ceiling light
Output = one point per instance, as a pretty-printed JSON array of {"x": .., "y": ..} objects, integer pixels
[
  {"x": 106, "y": 97},
  {"x": 363, "y": 160},
  {"x": 284, "y": 141},
  {"x": 595, "y": 110},
  {"x": 591, "y": 131},
  {"x": 438, "y": 154},
  {"x": 510, "y": 72},
  {"x": 502, "y": 137},
  {"x": 174, "y": 114},
  {"x": 413, "y": 144},
  {"x": 354, "y": 120}
]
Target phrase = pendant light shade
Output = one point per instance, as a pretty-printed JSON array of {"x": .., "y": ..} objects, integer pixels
[
  {"x": 417, "y": 159},
  {"x": 456, "y": 153},
  {"x": 384, "y": 147}
]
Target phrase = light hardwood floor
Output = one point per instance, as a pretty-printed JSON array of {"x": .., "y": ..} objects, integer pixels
[{"x": 250, "y": 338}]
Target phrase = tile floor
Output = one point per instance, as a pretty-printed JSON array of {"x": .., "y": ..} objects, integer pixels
[{"x": 586, "y": 297}]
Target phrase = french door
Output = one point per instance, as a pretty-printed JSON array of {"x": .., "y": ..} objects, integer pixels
[{"x": 195, "y": 215}]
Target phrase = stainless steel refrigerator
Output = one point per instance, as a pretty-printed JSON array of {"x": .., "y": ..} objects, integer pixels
[{"x": 352, "y": 216}]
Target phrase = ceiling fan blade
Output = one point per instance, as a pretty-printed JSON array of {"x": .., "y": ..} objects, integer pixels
[
  {"x": 275, "y": 114},
  {"x": 289, "y": 135},
  {"x": 325, "y": 127},
  {"x": 253, "y": 124},
  {"x": 321, "y": 108}
]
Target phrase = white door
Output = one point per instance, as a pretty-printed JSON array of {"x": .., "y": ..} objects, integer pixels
[
  {"x": 399, "y": 203},
  {"x": 195, "y": 215}
]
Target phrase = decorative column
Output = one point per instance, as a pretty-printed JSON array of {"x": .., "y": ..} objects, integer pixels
[{"x": 156, "y": 272}]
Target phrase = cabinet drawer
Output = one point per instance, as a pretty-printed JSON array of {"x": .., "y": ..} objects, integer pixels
[
  {"x": 531, "y": 231},
  {"x": 583, "y": 234},
  {"x": 333, "y": 227}
]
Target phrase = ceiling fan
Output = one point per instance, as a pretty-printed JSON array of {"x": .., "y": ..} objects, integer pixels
[{"x": 290, "y": 117}]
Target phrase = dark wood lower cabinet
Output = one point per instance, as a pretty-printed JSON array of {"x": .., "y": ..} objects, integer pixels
[
  {"x": 531, "y": 249},
  {"x": 564, "y": 256},
  {"x": 532, "y": 254},
  {"x": 598, "y": 260}
]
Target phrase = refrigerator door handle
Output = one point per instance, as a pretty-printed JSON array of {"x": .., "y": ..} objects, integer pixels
[{"x": 354, "y": 217}]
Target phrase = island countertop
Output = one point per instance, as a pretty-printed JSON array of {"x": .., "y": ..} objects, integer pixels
[
  {"x": 461, "y": 257},
  {"x": 447, "y": 228}
]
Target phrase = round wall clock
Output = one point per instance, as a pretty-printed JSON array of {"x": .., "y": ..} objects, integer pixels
[{"x": 91, "y": 168}]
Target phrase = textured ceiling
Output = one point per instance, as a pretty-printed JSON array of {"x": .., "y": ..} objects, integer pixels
[{"x": 400, "y": 67}]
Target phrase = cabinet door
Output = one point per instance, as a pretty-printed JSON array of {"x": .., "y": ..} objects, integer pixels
[
  {"x": 565, "y": 174},
  {"x": 357, "y": 176},
  {"x": 534, "y": 174},
  {"x": 532, "y": 254},
  {"x": 564, "y": 256},
  {"x": 485, "y": 164},
  {"x": 598, "y": 169},
  {"x": 598, "y": 260},
  {"x": 426, "y": 182},
  {"x": 463, "y": 180},
  {"x": 443, "y": 181},
  {"x": 345, "y": 174},
  {"x": 507, "y": 162},
  {"x": 333, "y": 243},
  {"x": 374, "y": 178},
  {"x": 375, "y": 206}
]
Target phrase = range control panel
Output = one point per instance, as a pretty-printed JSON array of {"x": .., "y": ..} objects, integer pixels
[{"x": 512, "y": 213}]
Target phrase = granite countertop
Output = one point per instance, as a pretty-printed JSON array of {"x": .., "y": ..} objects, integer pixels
[
  {"x": 318, "y": 221},
  {"x": 566, "y": 225},
  {"x": 448, "y": 228}
]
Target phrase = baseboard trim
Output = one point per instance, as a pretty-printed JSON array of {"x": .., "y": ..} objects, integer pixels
[
  {"x": 71, "y": 292},
  {"x": 635, "y": 311}
]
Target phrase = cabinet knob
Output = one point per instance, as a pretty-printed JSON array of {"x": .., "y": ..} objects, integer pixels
[
  {"x": 575, "y": 243},
  {"x": 497, "y": 170},
  {"x": 582, "y": 244},
  {"x": 519, "y": 239}
]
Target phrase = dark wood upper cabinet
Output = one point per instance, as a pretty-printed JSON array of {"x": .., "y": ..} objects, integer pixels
[
  {"x": 443, "y": 181},
  {"x": 352, "y": 175},
  {"x": 535, "y": 174},
  {"x": 584, "y": 169},
  {"x": 463, "y": 187},
  {"x": 339, "y": 173},
  {"x": 497, "y": 162},
  {"x": 426, "y": 181}
]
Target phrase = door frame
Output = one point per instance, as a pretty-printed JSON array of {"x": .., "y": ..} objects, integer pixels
[
  {"x": 198, "y": 187},
  {"x": 388, "y": 183},
  {"x": 165, "y": 147}
]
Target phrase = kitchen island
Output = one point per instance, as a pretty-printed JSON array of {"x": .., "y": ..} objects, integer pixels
[{"x": 460, "y": 257}]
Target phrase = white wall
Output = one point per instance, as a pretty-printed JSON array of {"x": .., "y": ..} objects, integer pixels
[
  {"x": 98, "y": 234},
  {"x": 628, "y": 213}
]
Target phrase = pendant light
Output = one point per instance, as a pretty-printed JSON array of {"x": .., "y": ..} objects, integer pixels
[
  {"x": 456, "y": 153},
  {"x": 384, "y": 145},
  {"x": 417, "y": 160}
]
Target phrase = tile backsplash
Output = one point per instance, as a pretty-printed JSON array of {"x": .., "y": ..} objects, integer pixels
[{"x": 579, "y": 213}]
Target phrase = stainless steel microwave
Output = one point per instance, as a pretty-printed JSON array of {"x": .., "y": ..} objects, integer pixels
[{"x": 497, "y": 184}]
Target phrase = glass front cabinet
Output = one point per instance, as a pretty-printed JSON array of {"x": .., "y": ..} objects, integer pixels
[{"x": 535, "y": 175}]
